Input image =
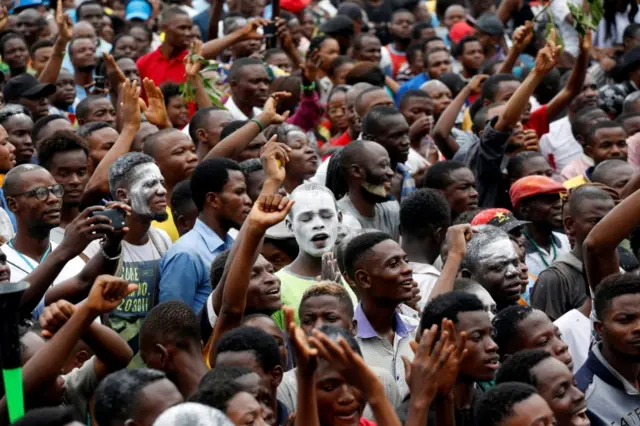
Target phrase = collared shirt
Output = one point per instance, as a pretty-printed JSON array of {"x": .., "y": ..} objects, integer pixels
[
  {"x": 577, "y": 167},
  {"x": 235, "y": 112},
  {"x": 184, "y": 270},
  {"x": 408, "y": 183},
  {"x": 538, "y": 259},
  {"x": 160, "y": 69},
  {"x": 378, "y": 352},
  {"x": 426, "y": 276},
  {"x": 611, "y": 399}
]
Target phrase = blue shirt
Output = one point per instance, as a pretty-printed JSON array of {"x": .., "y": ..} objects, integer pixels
[
  {"x": 184, "y": 270},
  {"x": 414, "y": 83},
  {"x": 408, "y": 183}
]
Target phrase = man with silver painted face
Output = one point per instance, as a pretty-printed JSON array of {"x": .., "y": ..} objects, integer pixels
[
  {"x": 135, "y": 179},
  {"x": 492, "y": 261},
  {"x": 314, "y": 221}
]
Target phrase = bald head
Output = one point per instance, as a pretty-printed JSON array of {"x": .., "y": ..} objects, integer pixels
[
  {"x": 83, "y": 29},
  {"x": 370, "y": 98},
  {"x": 613, "y": 173},
  {"x": 14, "y": 179}
]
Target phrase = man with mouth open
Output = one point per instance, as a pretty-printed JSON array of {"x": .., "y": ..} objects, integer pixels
[
  {"x": 552, "y": 379},
  {"x": 367, "y": 169}
]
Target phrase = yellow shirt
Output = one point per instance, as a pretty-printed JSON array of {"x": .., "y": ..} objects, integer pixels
[
  {"x": 575, "y": 182},
  {"x": 467, "y": 123},
  {"x": 168, "y": 226}
]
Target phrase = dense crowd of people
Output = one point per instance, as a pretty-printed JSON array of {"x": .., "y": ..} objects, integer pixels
[{"x": 322, "y": 212}]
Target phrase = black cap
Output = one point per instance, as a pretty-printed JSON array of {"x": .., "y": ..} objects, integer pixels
[
  {"x": 507, "y": 222},
  {"x": 490, "y": 24},
  {"x": 26, "y": 85},
  {"x": 339, "y": 25},
  {"x": 352, "y": 10}
]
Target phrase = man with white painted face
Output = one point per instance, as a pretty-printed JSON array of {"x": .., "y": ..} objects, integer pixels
[
  {"x": 135, "y": 179},
  {"x": 314, "y": 221},
  {"x": 367, "y": 169},
  {"x": 492, "y": 261}
]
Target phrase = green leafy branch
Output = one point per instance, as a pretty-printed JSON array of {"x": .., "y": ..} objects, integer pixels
[{"x": 187, "y": 90}]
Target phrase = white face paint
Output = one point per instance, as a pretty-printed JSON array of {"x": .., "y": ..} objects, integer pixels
[
  {"x": 315, "y": 222},
  {"x": 486, "y": 299},
  {"x": 498, "y": 268},
  {"x": 147, "y": 192}
]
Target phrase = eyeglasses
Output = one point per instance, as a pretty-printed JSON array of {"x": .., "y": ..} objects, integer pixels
[{"x": 42, "y": 192}]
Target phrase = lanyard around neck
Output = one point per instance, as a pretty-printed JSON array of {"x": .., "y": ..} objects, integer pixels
[
  {"x": 24, "y": 258},
  {"x": 539, "y": 250}
]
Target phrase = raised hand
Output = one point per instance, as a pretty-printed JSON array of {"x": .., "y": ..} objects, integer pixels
[
  {"x": 457, "y": 238},
  {"x": 284, "y": 34},
  {"x": 548, "y": 55},
  {"x": 84, "y": 229},
  {"x": 193, "y": 61},
  {"x": 476, "y": 83},
  {"x": 422, "y": 373},
  {"x": 312, "y": 66},
  {"x": 330, "y": 270},
  {"x": 117, "y": 236},
  {"x": 586, "y": 43},
  {"x": 107, "y": 293},
  {"x": 155, "y": 111},
  {"x": 130, "y": 105},
  {"x": 269, "y": 115},
  {"x": 4, "y": 17},
  {"x": 113, "y": 70},
  {"x": 420, "y": 128},
  {"x": 55, "y": 316},
  {"x": 269, "y": 210},
  {"x": 449, "y": 372},
  {"x": 250, "y": 31},
  {"x": 530, "y": 140},
  {"x": 522, "y": 36},
  {"x": 306, "y": 357},
  {"x": 274, "y": 156}
]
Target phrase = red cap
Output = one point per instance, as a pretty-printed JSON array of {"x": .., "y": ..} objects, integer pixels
[
  {"x": 485, "y": 216},
  {"x": 529, "y": 186},
  {"x": 294, "y": 6},
  {"x": 459, "y": 31}
]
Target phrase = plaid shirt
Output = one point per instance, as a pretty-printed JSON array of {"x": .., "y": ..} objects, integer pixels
[
  {"x": 612, "y": 96},
  {"x": 408, "y": 184}
]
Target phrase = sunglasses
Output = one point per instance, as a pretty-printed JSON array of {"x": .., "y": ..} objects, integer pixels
[{"x": 42, "y": 192}]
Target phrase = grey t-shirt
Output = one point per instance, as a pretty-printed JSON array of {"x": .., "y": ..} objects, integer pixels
[{"x": 385, "y": 219}]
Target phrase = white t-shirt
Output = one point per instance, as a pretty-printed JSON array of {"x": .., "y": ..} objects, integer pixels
[
  {"x": 22, "y": 265},
  {"x": 576, "y": 333},
  {"x": 57, "y": 235}
]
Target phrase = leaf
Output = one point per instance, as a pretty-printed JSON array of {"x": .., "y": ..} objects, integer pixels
[
  {"x": 581, "y": 21},
  {"x": 596, "y": 8},
  {"x": 551, "y": 25}
]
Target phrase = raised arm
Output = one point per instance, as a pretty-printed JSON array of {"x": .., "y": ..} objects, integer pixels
[
  {"x": 98, "y": 184},
  {"x": 575, "y": 83},
  {"x": 52, "y": 68},
  {"x": 192, "y": 68},
  {"x": 286, "y": 42},
  {"x": 214, "y": 18},
  {"x": 215, "y": 47},
  {"x": 442, "y": 129},
  {"x": 545, "y": 61},
  {"x": 236, "y": 142},
  {"x": 457, "y": 238},
  {"x": 522, "y": 36}
]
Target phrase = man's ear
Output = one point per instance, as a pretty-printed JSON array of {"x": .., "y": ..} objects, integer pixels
[
  {"x": 362, "y": 279},
  {"x": 587, "y": 149},
  {"x": 354, "y": 327},
  {"x": 339, "y": 217},
  {"x": 356, "y": 171},
  {"x": 569, "y": 225},
  {"x": 123, "y": 195},
  {"x": 163, "y": 354},
  {"x": 201, "y": 137},
  {"x": 599, "y": 327},
  {"x": 465, "y": 273},
  {"x": 213, "y": 199},
  {"x": 81, "y": 357},
  {"x": 12, "y": 204},
  {"x": 276, "y": 376},
  {"x": 288, "y": 224},
  {"x": 441, "y": 235}
]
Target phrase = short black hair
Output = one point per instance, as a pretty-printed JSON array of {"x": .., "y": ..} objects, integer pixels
[
  {"x": 438, "y": 175},
  {"x": 82, "y": 109},
  {"x": 60, "y": 141},
  {"x": 249, "y": 166},
  {"x": 41, "y": 123},
  {"x": 39, "y": 45},
  {"x": 218, "y": 386},
  {"x": 171, "y": 12},
  {"x": 84, "y": 4},
  {"x": 122, "y": 167},
  {"x": 431, "y": 52},
  {"x": 49, "y": 416},
  {"x": 359, "y": 246},
  {"x": 366, "y": 72},
  {"x": 627, "y": 115},
  {"x": 517, "y": 368},
  {"x": 210, "y": 176},
  {"x": 412, "y": 50},
  {"x": 357, "y": 41},
  {"x": 252, "y": 339},
  {"x": 580, "y": 128},
  {"x": 424, "y": 211},
  {"x": 116, "y": 396},
  {"x": 9, "y": 110},
  {"x": 339, "y": 61},
  {"x": 173, "y": 322},
  {"x": 465, "y": 284},
  {"x": 198, "y": 121},
  {"x": 492, "y": 84},
  {"x": 326, "y": 288},
  {"x": 217, "y": 268},
  {"x": 231, "y": 128},
  {"x": 631, "y": 31},
  {"x": 495, "y": 405},
  {"x": 586, "y": 193},
  {"x": 181, "y": 198},
  {"x": 599, "y": 126},
  {"x": 373, "y": 123},
  {"x": 460, "y": 47},
  {"x": 86, "y": 130},
  {"x": 410, "y": 94},
  {"x": 152, "y": 141},
  {"x": 358, "y": 99},
  {"x": 316, "y": 42},
  {"x": 238, "y": 64},
  {"x": 170, "y": 90},
  {"x": 335, "y": 333},
  {"x": 417, "y": 29},
  {"x": 448, "y": 306},
  {"x": 516, "y": 163},
  {"x": 505, "y": 326},
  {"x": 273, "y": 51},
  {"x": 611, "y": 287},
  {"x": 9, "y": 35}
]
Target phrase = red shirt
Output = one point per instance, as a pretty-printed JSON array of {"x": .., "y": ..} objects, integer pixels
[
  {"x": 365, "y": 422},
  {"x": 342, "y": 140},
  {"x": 538, "y": 121}
]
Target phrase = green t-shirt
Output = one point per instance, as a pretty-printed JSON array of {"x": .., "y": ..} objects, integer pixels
[{"x": 292, "y": 287}]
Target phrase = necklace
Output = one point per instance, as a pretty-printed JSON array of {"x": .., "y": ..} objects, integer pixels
[
  {"x": 539, "y": 250},
  {"x": 24, "y": 258}
]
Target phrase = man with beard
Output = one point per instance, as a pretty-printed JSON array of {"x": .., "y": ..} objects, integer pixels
[
  {"x": 135, "y": 180},
  {"x": 492, "y": 261},
  {"x": 613, "y": 364},
  {"x": 537, "y": 200},
  {"x": 314, "y": 221},
  {"x": 249, "y": 84},
  {"x": 82, "y": 52},
  {"x": 219, "y": 192},
  {"x": 394, "y": 54},
  {"x": 367, "y": 169}
]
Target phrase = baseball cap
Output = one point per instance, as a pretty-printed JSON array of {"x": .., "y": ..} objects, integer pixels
[
  {"x": 352, "y": 10},
  {"x": 530, "y": 186},
  {"x": 339, "y": 25},
  {"x": 26, "y": 85},
  {"x": 459, "y": 31},
  {"x": 490, "y": 24},
  {"x": 20, "y": 5},
  {"x": 294, "y": 6},
  {"x": 137, "y": 9},
  {"x": 501, "y": 218}
]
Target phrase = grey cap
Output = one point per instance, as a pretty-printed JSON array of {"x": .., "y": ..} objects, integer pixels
[{"x": 490, "y": 24}]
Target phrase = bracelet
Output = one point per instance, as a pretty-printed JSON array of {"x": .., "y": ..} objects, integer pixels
[
  {"x": 106, "y": 256},
  {"x": 258, "y": 123},
  {"x": 310, "y": 87}
]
